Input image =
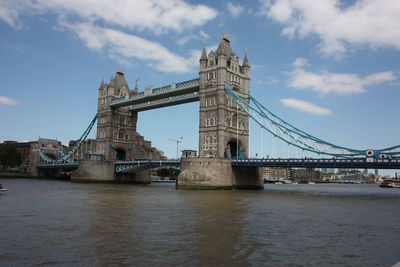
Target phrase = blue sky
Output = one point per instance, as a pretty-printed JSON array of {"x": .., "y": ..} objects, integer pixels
[{"x": 330, "y": 67}]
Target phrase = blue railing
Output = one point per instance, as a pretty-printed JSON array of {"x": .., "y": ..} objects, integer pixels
[
  {"x": 356, "y": 163},
  {"x": 126, "y": 166}
]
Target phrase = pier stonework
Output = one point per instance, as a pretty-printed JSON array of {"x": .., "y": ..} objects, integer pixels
[
  {"x": 217, "y": 173},
  {"x": 104, "y": 171},
  {"x": 94, "y": 171}
]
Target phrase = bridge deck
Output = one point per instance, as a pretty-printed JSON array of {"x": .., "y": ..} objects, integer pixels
[
  {"x": 320, "y": 163},
  {"x": 59, "y": 166},
  {"x": 127, "y": 166}
]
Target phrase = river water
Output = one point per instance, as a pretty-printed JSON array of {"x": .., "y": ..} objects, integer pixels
[{"x": 58, "y": 223}]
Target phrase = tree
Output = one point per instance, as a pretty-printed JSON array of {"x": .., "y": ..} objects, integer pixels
[{"x": 9, "y": 156}]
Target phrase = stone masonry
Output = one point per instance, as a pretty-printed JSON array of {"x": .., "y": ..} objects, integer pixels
[
  {"x": 223, "y": 127},
  {"x": 117, "y": 137}
]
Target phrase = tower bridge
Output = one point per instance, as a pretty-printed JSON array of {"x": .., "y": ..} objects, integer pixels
[{"x": 120, "y": 153}]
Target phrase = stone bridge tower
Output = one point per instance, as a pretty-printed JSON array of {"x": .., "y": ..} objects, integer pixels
[
  {"x": 223, "y": 127},
  {"x": 115, "y": 127},
  {"x": 117, "y": 137}
]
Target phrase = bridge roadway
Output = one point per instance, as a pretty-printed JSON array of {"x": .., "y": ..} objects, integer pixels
[
  {"x": 59, "y": 166},
  {"x": 126, "y": 166},
  {"x": 356, "y": 163}
]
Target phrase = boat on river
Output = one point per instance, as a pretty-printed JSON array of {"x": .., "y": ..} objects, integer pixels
[
  {"x": 390, "y": 183},
  {"x": 2, "y": 189}
]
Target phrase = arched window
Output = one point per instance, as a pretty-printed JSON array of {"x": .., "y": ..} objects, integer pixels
[
  {"x": 214, "y": 142},
  {"x": 121, "y": 134},
  {"x": 234, "y": 120}
]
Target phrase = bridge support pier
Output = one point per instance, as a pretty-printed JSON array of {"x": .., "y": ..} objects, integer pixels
[
  {"x": 217, "y": 173},
  {"x": 104, "y": 172},
  {"x": 94, "y": 171},
  {"x": 248, "y": 177},
  {"x": 33, "y": 171},
  {"x": 138, "y": 177}
]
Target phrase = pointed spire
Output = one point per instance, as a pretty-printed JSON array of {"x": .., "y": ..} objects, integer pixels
[
  {"x": 225, "y": 46},
  {"x": 136, "y": 89},
  {"x": 102, "y": 85},
  {"x": 111, "y": 83},
  {"x": 245, "y": 60},
  {"x": 203, "y": 55},
  {"x": 120, "y": 81}
]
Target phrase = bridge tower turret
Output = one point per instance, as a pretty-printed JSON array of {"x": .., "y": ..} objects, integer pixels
[
  {"x": 223, "y": 127},
  {"x": 115, "y": 127}
]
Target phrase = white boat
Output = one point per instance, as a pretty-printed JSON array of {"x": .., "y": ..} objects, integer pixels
[
  {"x": 2, "y": 189},
  {"x": 390, "y": 183},
  {"x": 311, "y": 182}
]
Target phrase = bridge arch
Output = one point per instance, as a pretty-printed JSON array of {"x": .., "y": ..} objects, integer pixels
[
  {"x": 120, "y": 153},
  {"x": 234, "y": 149},
  {"x": 51, "y": 155}
]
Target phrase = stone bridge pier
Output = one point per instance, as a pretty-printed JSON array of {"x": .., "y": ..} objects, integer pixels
[
  {"x": 217, "y": 173},
  {"x": 104, "y": 171}
]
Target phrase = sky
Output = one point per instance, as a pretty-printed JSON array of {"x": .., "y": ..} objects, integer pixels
[{"x": 331, "y": 67}]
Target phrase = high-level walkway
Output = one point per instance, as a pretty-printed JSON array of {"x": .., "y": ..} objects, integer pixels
[{"x": 170, "y": 95}]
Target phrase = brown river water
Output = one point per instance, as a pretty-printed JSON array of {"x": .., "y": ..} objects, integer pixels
[{"x": 59, "y": 223}]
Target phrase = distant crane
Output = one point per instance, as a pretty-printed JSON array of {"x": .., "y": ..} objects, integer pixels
[{"x": 179, "y": 141}]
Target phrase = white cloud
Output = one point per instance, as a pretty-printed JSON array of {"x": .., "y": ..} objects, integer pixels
[
  {"x": 9, "y": 13},
  {"x": 300, "y": 62},
  {"x": 196, "y": 54},
  {"x": 366, "y": 22},
  {"x": 336, "y": 83},
  {"x": 100, "y": 25},
  {"x": 204, "y": 35},
  {"x": 268, "y": 80},
  {"x": 200, "y": 36},
  {"x": 305, "y": 106},
  {"x": 234, "y": 10},
  {"x": 156, "y": 16},
  {"x": 8, "y": 101},
  {"x": 122, "y": 46}
]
